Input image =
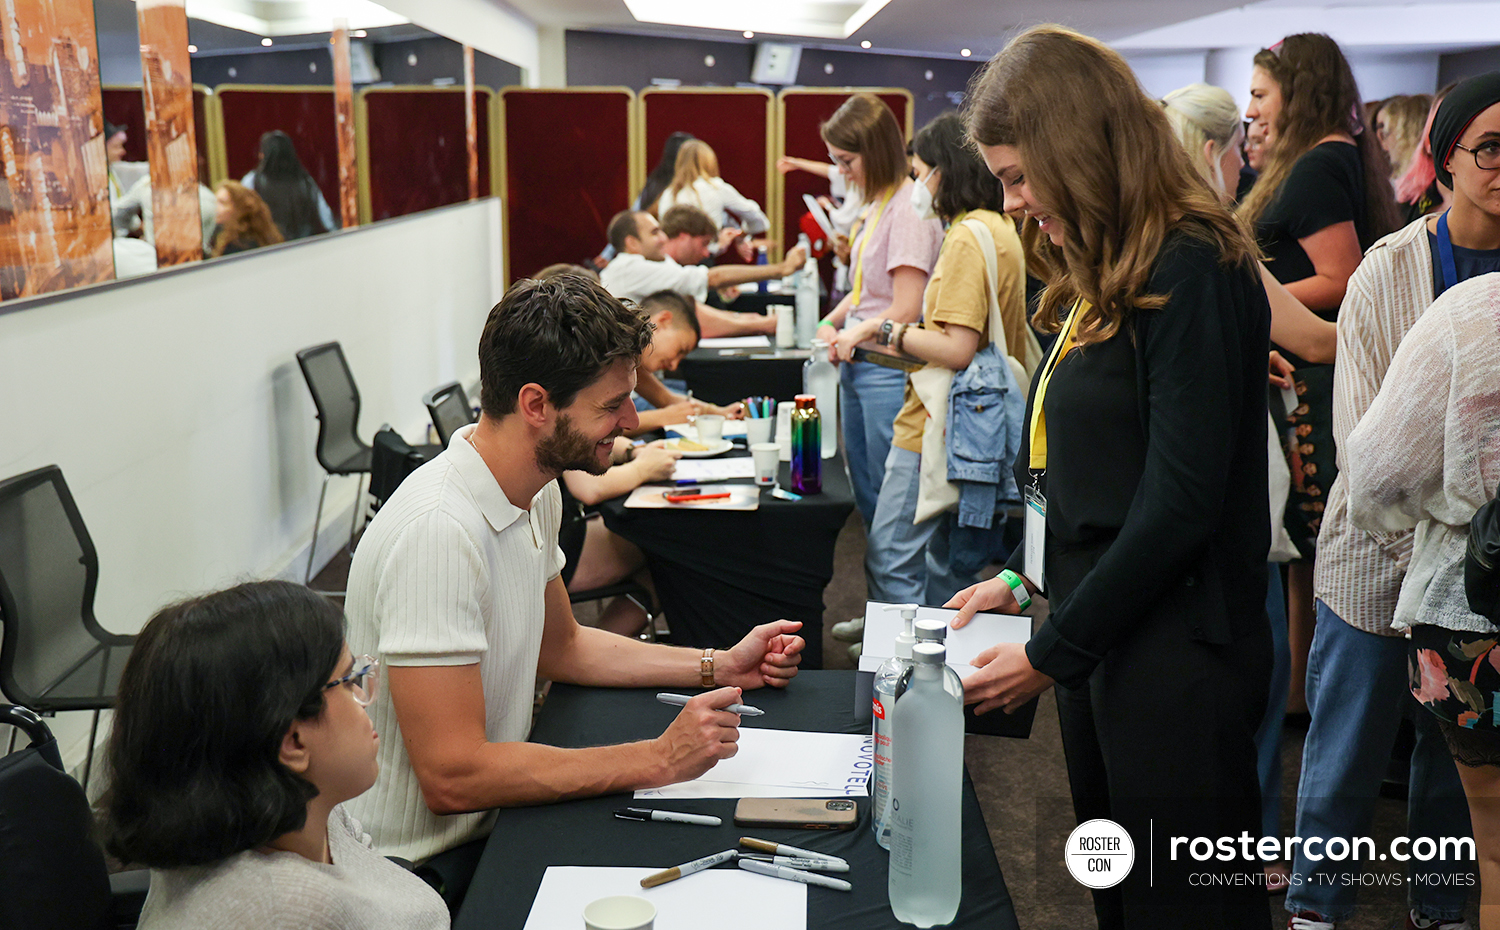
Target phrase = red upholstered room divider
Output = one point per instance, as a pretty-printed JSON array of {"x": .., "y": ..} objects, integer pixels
[
  {"x": 799, "y": 113},
  {"x": 737, "y": 122},
  {"x": 566, "y": 158},
  {"x": 413, "y": 149},
  {"x": 304, "y": 113}
]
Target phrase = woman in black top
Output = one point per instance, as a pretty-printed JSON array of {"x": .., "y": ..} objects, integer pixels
[
  {"x": 1147, "y": 444},
  {"x": 297, "y": 205},
  {"x": 1322, "y": 198}
]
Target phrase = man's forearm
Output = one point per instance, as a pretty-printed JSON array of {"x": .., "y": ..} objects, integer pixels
[
  {"x": 518, "y": 774},
  {"x": 602, "y": 659},
  {"x": 650, "y": 387},
  {"x": 719, "y": 323},
  {"x": 726, "y": 275}
]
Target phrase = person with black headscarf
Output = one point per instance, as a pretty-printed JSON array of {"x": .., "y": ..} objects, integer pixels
[
  {"x": 297, "y": 205},
  {"x": 1358, "y": 664}
]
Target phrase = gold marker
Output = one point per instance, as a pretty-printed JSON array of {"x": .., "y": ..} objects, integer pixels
[{"x": 688, "y": 868}]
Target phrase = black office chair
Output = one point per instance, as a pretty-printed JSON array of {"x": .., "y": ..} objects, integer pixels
[
  {"x": 570, "y": 535},
  {"x": 54, "y": 656},
  {"x": 340, "y": 450},
  {"x": 450, "y": 410},
  {"x": 55, "y": 876}
]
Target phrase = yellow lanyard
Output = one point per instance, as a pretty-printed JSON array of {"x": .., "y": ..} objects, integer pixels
[
  {"x": 1065, "y": 342},
  {"x": 868, "y": 228}
]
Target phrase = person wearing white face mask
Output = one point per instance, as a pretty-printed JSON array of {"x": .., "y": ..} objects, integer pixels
[{"x": 906, "y": 560}]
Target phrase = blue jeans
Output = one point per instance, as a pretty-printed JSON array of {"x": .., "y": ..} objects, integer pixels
[
  {"x": 869, "y": 398},
  {"x": 1357, "y": 690},
  {"x": 907, "y": 563},
  {"x": 1268, "y": 737}
]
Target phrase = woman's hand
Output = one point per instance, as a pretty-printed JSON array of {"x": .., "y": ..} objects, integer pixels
[
  {"x": 863, "y": 331},
  {"x": 735, "y": 411},
  {"x": 1005, "y": 679},
  {"x": 1281, "y": 370},
  {"x": 994, "y": 595}
]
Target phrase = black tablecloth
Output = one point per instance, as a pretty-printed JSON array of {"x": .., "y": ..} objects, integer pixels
[
  {"x": 725, "y": 378},
  {"x": 719, "y": 573},
  {"x": 527, "y": 840}
]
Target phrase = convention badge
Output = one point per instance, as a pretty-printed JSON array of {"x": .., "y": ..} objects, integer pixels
[{"x": 1035, "y": 536}]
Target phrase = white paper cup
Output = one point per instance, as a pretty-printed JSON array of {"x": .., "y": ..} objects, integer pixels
[
  {"x": 710, "y": 429},
  {"x": 758, "y": 429},
  {"x": 784, "y": 428},
  {"x": 786, "y": 327},
  {"x": 619, "y": 912},
  {"x": 767, "y": 457}
]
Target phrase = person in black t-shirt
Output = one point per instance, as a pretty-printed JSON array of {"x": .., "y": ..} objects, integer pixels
[
  {"x": 1151, "y": 458},
  {"x": 1321, "y": 200}
]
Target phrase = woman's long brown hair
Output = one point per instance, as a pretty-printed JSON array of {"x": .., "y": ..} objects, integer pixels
[
  {"x": 1102, "y": 157},
  {"x": 251, "y": 219},
  {"x": 1319, "y": 98}
]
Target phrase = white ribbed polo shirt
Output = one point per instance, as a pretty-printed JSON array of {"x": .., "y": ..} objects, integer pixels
[{"x": 450, "y": 572}]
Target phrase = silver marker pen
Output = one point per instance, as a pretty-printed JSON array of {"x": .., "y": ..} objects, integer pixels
[
  {"x": 744, "y": 710},
  {"x": 800, "y": 862},
  {"x": 794, "y": 875}
]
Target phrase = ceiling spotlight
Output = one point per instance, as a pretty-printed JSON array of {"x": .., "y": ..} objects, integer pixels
[
  {"x": 192, "y": 49},
  {"x": 828, "y": 68},
  {"x": 359, "y": 33},
  {"x": 865, "y": 44},
  {"x": 748, "y": 34},
  {"x": 265, "y": 42},
  {"x": 927, "y": 74},
  {"x": 965, "y": 52}
]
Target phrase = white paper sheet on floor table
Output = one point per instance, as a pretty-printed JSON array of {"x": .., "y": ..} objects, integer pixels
[
  {"x": 984, "y": 631},
  {"x": 741, "y": 466},
  {"x": 735, "y": 342},
  {"x": 782, "y": 764},
  {"x": 722, "y": 898}
]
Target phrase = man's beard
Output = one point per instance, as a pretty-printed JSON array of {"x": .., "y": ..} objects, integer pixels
[{"x": 568, "y": 450}]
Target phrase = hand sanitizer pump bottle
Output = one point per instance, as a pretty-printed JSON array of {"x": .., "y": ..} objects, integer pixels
[
  {"x": 886, "y": 677},
  {"x": 925, "y": 881}
]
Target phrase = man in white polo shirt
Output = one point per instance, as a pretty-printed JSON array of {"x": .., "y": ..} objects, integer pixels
[
  {"x": 644, "y": 266},
  {"x": 456, "y": 588}
]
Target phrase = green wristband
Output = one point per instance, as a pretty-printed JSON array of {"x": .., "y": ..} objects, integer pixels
[
  {"x": 1017, "y": 588},
  {"x": 824, "y": 322}
]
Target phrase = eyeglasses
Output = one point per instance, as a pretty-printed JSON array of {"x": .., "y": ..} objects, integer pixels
[
  {"x": 1486, "y": 154},
  {"x": 364, "y": 681}
]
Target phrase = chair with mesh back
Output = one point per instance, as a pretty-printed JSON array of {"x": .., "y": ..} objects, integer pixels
[
  {"x": 340, "y": 451},
  {"x": 449, "y": 408},
  {"x": 54, "y": 656}
]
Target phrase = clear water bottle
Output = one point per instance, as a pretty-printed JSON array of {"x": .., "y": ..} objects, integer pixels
[
  {"x": 806, "y": 293},
  {"x": 886, "y": 679},
  {"x": 926, "y": 823},
  {"x": 821, "y": 380},
  {"x": 936, "y": 631}
]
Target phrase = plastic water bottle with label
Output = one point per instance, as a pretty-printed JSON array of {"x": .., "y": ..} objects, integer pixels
[
  {"x": 925, "y": 879},
  {"x": 886, "y": 678},
  {"x": 806, "y": 292}
]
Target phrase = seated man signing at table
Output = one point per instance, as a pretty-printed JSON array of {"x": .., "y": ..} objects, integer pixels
[
  {"x": 456, "y": 588},
  {"x": 650, "y": 260},
  {"x": 676, "y": 334}
]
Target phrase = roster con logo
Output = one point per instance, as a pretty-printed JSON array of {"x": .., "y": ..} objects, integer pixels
[{"x": 1099, "y": 853}]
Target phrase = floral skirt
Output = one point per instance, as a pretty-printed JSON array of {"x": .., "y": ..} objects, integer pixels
[{"x": 1456, "y": 676}]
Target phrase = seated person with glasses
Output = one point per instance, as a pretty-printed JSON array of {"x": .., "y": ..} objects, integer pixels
[{"x": 239, "y": 730}]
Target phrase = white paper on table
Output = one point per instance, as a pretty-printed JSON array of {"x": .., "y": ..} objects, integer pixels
[
  {"x": 731, "y": 428},
  {"x": 782, "y": 764},
  {"x": 736, "y": 899},
  {"x": 742, "y": 466},
  {"x": 735, "y": 342},
  {"x": 985, "y": 630}
]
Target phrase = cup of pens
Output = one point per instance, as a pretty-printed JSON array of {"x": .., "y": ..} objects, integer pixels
[{"x": 760, "y": 419}]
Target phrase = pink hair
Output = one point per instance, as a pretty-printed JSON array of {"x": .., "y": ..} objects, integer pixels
[{"x": 1420, "y": 172}]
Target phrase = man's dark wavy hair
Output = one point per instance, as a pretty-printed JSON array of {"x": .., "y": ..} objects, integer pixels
[
  {"x": 561, "y": 333},
  {"x": 210, "y": 689}
]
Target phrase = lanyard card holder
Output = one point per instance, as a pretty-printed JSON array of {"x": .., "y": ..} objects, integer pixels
[{"x": 1035, "y": 537}]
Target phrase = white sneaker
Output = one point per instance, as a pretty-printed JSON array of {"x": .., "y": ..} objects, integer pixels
[
  {"x": 849, "y": 631},
  {"x": 1307, "y": 920},
  {"x": 1415, "y": 921}
]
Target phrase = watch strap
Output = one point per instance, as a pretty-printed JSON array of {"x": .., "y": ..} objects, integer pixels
[{"x": 706, "y": 667}]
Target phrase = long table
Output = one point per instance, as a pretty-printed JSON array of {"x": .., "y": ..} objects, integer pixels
[
  {"x": 719, "y": 573},
  {"x": 727, "y": 375},
  {"x": 527, "y": 840}
]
